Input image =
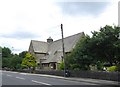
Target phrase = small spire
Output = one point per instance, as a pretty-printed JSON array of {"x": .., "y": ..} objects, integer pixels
[{"x": 49, "y": 40}]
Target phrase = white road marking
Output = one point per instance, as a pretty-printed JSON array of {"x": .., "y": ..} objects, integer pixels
[
  {"x": 20, "y": 78},
  {"x": 40, "y": 82},
  {"x": 9, "y": 75}
]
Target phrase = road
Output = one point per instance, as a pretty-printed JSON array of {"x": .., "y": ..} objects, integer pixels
[{"x": 15, "y": 78}]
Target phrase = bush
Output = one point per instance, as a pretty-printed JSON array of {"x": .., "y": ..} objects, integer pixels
[
  {"x": 61, "y": 66},
  {"x": 112, "y": 68},
  {"x": 118, "y": 67}
]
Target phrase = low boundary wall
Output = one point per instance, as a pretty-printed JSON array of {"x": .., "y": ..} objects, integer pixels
[{"x": 113, "y": 76}]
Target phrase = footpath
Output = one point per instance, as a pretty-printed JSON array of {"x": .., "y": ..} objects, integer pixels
[{"x": 88, "y": 80}]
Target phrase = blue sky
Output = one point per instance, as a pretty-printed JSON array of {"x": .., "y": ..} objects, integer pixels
[{"x": 24, "y": 20}]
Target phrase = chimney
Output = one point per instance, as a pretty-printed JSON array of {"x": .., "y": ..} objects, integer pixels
[{"x": 49, "y": 40}]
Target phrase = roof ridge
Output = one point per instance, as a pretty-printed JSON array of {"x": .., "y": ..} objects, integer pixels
[
  {"x": 60, "y": 39},
  {"x": 69, "y": 36},
  {"x": 39, "y": 41}
]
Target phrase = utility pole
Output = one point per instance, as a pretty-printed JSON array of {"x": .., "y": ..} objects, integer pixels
[{"x": 63, "y": 50}]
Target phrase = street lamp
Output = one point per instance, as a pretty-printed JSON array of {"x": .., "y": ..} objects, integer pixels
[{"x": 63, "y": 50}]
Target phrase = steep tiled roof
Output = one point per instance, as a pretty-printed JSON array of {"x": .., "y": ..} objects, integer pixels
[
  {"x": 54, "y": 49},
  {"x": 56, "y": 46},
  {"x": 39, "y": 46}
]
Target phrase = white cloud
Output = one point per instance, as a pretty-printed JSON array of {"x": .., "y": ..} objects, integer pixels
[
  {"x": 15, "y": 45},
  {"x": 90, "y": 23},
  {"x": 43, "y": 18}
]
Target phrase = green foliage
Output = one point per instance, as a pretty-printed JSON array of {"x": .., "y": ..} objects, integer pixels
[
  {"x": 9, "y": 60},
  {"x": 6, "y": 52},
  {"x": 29, "y": 61},
  {"x": 75, "y": 66},
  {"x": 12, "y": 62},
  {"x": 103, "y": 46},
  {"x": 78, "y": 58},
  {"x": 15, "y": 62},
  {"x": 99, "y": 65},
  {"x": 61, "y": 66},
  {"x": 5, "y": 62},
  {"x": 6, "y": 56},
  {"x": 22, "y": 54},
  {"x": 112, "y": 68},
  {"x": 118, "y": 67}
]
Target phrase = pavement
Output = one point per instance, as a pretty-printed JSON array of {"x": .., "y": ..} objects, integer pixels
[{"x": 88, "y": 80}]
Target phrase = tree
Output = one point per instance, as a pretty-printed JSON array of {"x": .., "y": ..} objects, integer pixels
[
  {"x": 102, "y": 47},
  {"x": 6, "y": 56},
  {"x": 9, "y": 60},
  {"x": 105, "y": 44},
  {"x": 29, "y": 61},
  {"x": 6, "y": 52},
  {"x": 6, "y": 62},
  {"x": 15, "y": 62},
  {"x": 78, "y": 58},
  {"x": 22, "y": 54}
]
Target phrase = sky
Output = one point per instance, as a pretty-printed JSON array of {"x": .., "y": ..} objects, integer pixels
[{"x": 24, "y": 20}]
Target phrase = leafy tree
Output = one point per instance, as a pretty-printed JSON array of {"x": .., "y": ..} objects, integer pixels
[
  {"x": 6, "y": 62},
  {"x": 102, "y": 47},
  {"x": 9, "y": 60},
  {"x": 6, "y": 52},
  {"x": 22, "y": 54},
  {"x": 29, "y": 61},
  {"x": 6, "y": 55},
  {"x": 105, "y": 44},
  {"x": 15, "y": 62},
  {"x": 78, "y": 58}
]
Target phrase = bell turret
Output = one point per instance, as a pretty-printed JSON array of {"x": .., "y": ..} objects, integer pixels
[{"x": 49, "y": 40}]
